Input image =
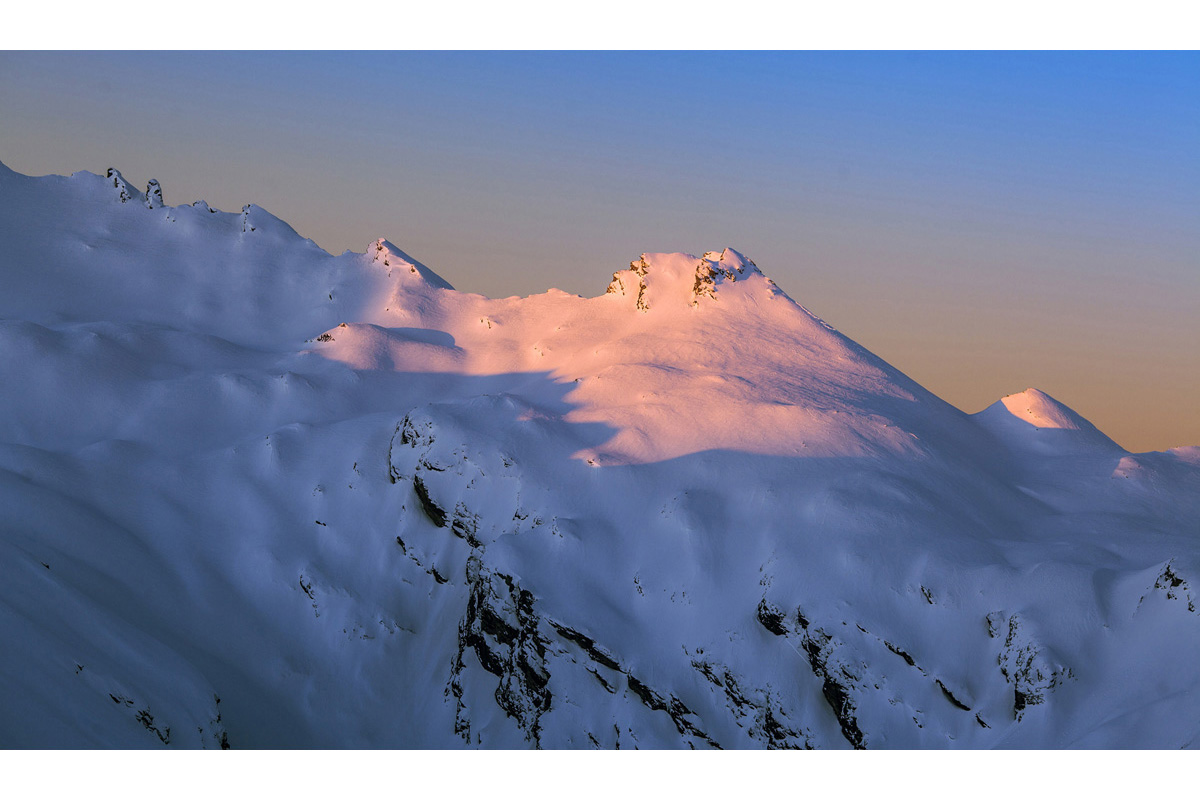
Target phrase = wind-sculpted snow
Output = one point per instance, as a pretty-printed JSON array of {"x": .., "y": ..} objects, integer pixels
[{"x": 256, "y": 495}]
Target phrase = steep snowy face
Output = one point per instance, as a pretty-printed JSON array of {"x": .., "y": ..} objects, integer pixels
[{"x": 256, "y": 495}]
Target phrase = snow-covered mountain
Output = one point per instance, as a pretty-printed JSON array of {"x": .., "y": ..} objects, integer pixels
[{"x": 256, "y": 495}]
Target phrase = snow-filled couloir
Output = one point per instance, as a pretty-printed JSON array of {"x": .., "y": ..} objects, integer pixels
[{"x": 257, "y": 495}]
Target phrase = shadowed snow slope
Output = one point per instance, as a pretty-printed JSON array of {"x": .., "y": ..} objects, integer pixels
[{"x": 256, "y": 495}]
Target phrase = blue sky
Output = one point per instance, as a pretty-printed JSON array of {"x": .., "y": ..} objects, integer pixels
[{"x": 985, "y": 221}]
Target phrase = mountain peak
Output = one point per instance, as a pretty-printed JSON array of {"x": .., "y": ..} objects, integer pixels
[
  {"x": 1043, "y": 411},
  {"x": 680, "y": 279},
  {"x": 387, "y": 255},
  {"x": 1034, "y": 420}
]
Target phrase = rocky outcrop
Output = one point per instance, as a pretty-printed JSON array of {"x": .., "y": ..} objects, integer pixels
[
  {"x": 758, "y": 710},
  {"x": 500, "y": 628},
  {"x": 154, "y": 196},
  {"x": 124, "y": 193},
  {"x": 1025, "y": 665},
  {"x": 771, "y": 618},
  {"x": 713, "y": 270},
  {"x": 857, "y": 688},
  {"x": 837, "y": 677},
  {"x": 1173, "y": 586},
  {"x": 436, "y": 514},
  {"x": 637, "y": 281},
  {"x": 214, "y": 736}
]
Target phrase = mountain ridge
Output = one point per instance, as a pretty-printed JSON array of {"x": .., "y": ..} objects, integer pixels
[{"x": 258, "y": 495}]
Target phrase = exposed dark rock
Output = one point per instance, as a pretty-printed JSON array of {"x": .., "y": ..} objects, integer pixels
[
  {"x": 705, "y": 282},
  {"x": 414, "y": 434},
  {"x": 1174, "y": 585},
  {"x": 801, "y": 620},
  {"x": 778, "y": 735},
  {"x": 709, "y": 273},
  {"x": 672, "y": 707},
  {"x": 154, "y": 196},
  {"x": 819, "y": 647},
  {"x": 588, "y": 645},
  {"x": 1022, "y": 699},
  {"x": 501, "y": 627},
  {"x": 768, "y": 721},
  {"x": 465, "y": 525},
  {"x": 147, "y": 719},
  {"x": 639, "y": 269},
  {"x": 907, "y": 658},
  {"x": 118, "y": 182},
  {"x": 1168, "y": 579},
  {"x": 1023, "y": 664},
  {"x": 436, "y": 514},
  {"x": 223, "y": 737},
  {"x": 393, "y": 473},
  {"x": 771, "y": 618},
  {"x": 608, "y": 687},
  {"x": 954, "y": 701}
]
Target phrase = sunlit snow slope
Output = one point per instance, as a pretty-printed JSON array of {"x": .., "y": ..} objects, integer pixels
[{"x": 255, "y": 495}]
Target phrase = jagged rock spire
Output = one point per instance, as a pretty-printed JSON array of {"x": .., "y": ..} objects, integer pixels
[
  {"x": 119, "y": 184},
  {"x": 154, "y": 197}
]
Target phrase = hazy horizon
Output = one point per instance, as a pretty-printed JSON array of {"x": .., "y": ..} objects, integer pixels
[{"x": 985, "y": 222}]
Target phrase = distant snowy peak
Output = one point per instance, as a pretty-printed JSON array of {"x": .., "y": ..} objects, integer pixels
[
  {"x": 1034, "y": 420},
  {"x": 682, "y": 279},
  {"x": 1043, "y": 411}
]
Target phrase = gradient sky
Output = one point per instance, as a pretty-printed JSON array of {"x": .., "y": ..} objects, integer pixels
[{"x": 985, "y": 222}]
